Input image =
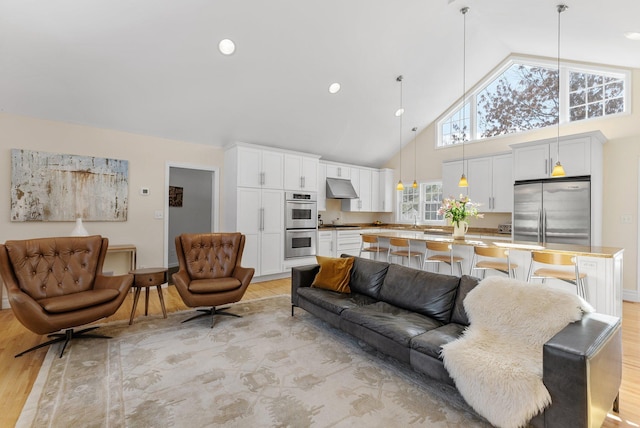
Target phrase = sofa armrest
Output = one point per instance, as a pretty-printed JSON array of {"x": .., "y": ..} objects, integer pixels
[
  {"x": 301, "y": 276},
  {"x": 582, "y": 369}
]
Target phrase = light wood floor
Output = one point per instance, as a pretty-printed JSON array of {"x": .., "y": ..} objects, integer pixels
[{"x": 18, "y": 374}]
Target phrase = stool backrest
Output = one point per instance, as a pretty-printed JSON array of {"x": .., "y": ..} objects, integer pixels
[
  {"x": 495, "y": 252},
  {"x": 399, "y": 242},
  {"x": 553, "y": 258},
  {"x": 370, "y": 239},
  {"x": 438, "y": 246}
]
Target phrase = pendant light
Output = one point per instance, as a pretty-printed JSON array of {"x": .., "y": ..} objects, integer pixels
[
  {"x": 558, "y": 170},
  {"x": 463, "y": 179},
  {"x": 399, "y": 114},
  {"x": 415, "y": 162}
]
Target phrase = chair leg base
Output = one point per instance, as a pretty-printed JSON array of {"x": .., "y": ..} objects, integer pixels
[
  {"x": 66, "y": 338},
  {"x": 211, "y": 312}
]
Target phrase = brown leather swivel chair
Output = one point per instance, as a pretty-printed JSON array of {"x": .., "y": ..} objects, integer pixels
[
  {"x": 57, "y": 283},
  {"x": 210, "y": 273}
]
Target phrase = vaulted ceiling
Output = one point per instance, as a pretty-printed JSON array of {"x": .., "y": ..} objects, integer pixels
[{"x": 152, "y": 66}]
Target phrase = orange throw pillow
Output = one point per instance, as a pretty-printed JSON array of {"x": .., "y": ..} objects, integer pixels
[{"x": 334, "y": 274}]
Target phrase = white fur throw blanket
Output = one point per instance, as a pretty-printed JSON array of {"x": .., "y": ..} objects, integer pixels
[{"x": 497, "y": 363}]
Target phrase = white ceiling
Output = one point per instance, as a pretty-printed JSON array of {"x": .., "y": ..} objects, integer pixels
[{"x": 152, "y": 66}]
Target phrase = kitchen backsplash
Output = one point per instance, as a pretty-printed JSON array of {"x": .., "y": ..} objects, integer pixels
[{"x": 333, "y": 212}]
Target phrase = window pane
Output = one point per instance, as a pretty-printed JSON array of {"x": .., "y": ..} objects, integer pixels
[
  {"x": 595, "y": 110},
  {"x": 522, "y": 98},
  {"x": 614, "y": 106},
  {"x": 431, "y": 201},
  {"x": 578, "y": 113}
]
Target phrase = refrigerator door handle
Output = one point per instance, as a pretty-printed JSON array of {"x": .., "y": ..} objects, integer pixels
[
  {"x": 544, "y": 225},
  {"x": 539, "y": 225}
]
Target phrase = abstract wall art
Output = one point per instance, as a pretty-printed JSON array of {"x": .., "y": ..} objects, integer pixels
[{"x": 61, "y": 187}]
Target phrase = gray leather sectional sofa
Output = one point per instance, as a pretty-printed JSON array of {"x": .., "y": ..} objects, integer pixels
[{"x": 409, "y": 314}]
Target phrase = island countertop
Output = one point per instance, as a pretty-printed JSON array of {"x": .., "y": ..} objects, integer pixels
[{"x": 579, "y": 250}]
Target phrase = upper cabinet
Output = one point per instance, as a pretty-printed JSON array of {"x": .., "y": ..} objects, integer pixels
[
  {"x": 301, "y": 173},
  {"x": 579, "y": 155},
  {"x": 338, "y": 171},
  {"x": 451, "y": 172},
  {"x": 361, "y": 179},
  {"x": 256, "y": 167},
  {"x": 491, "y": 182},
  {"x": 386, "y": 187}
]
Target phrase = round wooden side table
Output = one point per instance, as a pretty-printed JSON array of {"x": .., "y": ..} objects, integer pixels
[{"x": 145, "y": 278}]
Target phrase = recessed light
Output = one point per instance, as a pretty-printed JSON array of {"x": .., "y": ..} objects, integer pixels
[
  {"x": 226, "y": 47},
  {"x": 334, "y": 88},
  {"x": 632, "y": 35},
  {"x": 399, "y": 112}
]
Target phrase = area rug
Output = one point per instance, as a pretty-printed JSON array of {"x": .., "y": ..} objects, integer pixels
[{"x": 266, "y": 369}]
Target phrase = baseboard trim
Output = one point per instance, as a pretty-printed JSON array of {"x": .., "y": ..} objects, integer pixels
[{"x": 631, "y": 295}]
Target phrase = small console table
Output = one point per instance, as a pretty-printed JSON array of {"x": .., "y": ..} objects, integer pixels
[{"x": 145, "y": 278}]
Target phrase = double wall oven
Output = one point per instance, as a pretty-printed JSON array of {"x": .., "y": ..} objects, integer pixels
[{"x": 301, "y": 224}]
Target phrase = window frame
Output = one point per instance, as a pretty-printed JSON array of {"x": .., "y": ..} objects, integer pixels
[
  {"x": 566, "y": 67},
  {"x": 421, "y": 205}
]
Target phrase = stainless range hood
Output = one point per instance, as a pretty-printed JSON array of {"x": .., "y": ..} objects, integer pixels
[{"x": 339, "y": 188}]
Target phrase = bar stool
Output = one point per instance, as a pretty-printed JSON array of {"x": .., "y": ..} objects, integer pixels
[
  {"x": 372, "y": 246},
  {"x": 441, "y": 252},
  {"x": 500, "y": 261},
  {"x": 400, "y": 247},
  {"x": 574, "y": 276}
]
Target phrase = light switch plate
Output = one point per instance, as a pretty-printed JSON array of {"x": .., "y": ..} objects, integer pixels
[{"x": 158, "y": 214}]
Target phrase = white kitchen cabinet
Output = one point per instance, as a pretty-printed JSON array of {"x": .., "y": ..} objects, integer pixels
[
  {"x": 300, "y": 173},
  {"x": 376, "y": 192},
  {"x": 322, "y": 186},
  {"x": 361, "y": 180},
  {"x": 451, "y": 172},
  {"x": 348, "y": 242},
  {"x": 256, "y": 167},
  {"x": 335, "y": 170},
  {"x": 579, "y": 155},
  {"x": 260, "y": 216},
  {"x": 387, "y": 187},
  {"x": 491, "y": 182},
  {"x": 327, "y": 243}
]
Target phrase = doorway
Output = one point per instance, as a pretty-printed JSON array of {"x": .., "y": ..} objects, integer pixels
[{"x": 191, "y": 204}]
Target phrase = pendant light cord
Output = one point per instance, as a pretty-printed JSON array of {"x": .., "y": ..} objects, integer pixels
[
  {"x": 464, "y": 11},
  {"x": 561, "y": 8}
]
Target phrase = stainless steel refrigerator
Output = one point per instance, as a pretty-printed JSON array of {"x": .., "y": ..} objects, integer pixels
[{"x": 554, "y": 210}]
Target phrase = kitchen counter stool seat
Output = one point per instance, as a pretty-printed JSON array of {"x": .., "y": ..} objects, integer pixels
[
  {"x": 401, "y": 247},
  {"x": 439, "y": 253},
  {"x": 573, "y": 276},
  {"x": 371, "y": 244},
  {"x": 495, "y": 258}
]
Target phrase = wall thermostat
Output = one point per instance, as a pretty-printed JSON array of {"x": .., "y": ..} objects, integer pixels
[{"x": 144, "y": 191}]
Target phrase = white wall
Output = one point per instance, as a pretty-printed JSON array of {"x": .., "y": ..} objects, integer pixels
[
  {"x": 621, "y": 155},
  {"x": 147, "y": 158}
]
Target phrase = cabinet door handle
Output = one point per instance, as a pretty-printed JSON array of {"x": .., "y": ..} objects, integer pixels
[
  {"x": 302, "y": 183},
  {"x": 261, "y": 219},
  {"x": 262, "y": 178},
  {"x": 546, "y": 166}
]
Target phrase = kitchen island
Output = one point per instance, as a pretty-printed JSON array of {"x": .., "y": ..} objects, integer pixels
[{"x": 602, "y": 265}]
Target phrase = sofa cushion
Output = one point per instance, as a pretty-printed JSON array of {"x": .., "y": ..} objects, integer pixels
[
  {"x": 430, "y": 343},
  {"x": 367, "y": 276},
  {"x": 459, "y": 315},
  {"x": 334, "y": 301},
  {"x": 427, "y": 293},
  {"x": 390, "y": 321},
  {"x": 334, "y": 274}
]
